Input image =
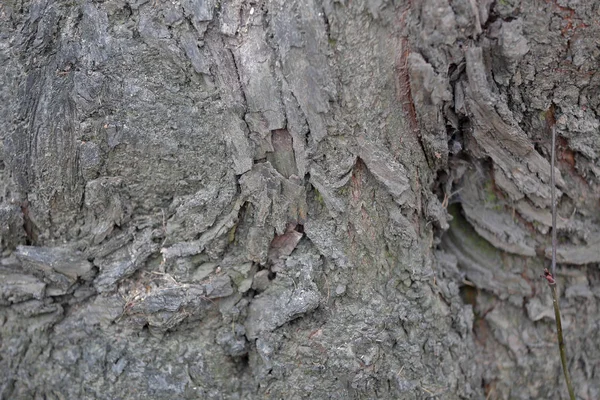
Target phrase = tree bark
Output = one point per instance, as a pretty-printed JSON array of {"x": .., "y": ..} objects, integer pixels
[{"x": 274, "y": 199}]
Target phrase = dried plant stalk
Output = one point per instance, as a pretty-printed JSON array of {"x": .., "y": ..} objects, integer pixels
[{"x": 551, "y": 276}]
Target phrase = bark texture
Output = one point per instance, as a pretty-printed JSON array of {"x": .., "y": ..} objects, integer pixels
[{"x": 296, "y": 199}]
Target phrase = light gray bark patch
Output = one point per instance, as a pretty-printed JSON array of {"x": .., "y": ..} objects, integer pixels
[
  {"x": 218, "y": 230},
  {"x": 430, "y": 91},
  {"x": 302, "y": 42},
  {"x": 59, "y": 267},
  {"x": 437, "y": 25},
  {"x": 218, "y": 287},
  {"x": 427, "y": 87},
  {"x": 506, "y": 333},
  {"x": 166, "y": 304},
  {"x": 232, "y": 340},
  {"x": 482, "y": 263},
  {"x": 278, "y": 201},
  {"x": 259, "y": 240},
  {"x": 34, "y": 308},
  {"x": 90, "y": 160},
  {"x": 241, "y": 274},
  {"x": 467, "y": 17},
  {"x": 108, "y": 205},
  {"x": 439, "y": 21},
  {"x": 16, "y": 287},
  {"x": 194, "y": 214},
  {"x": 297, "y": 127},
  {"x": 230, "y": 17},
  {"x": 509, "y": 49},
  {"x": 152, "y": 30},
  {"x": 165, "y": 307},
  {"x": 52, "y": 133},
  {"x": 94, "y": 26},
  {"x": 200, "y": 12},
  {"x": 484, "y": 10},
  {"x": 543, "y": 217},
  {"x": 578, "y": 286},
  {"x": 500, "y": 230},
  {"x": 101, "y": 310},
  {"x": 11, "y": 225},
  {"x": 227, "y": 76},
  {"x": 386, "y": 170},
  {"x": 485, "y": 211},
  {"x": 435, "y": 212},
  {"x": 327, "y": 189},
  {"x": 282, "y": 158},
  {"x": 502, "y": 139},
  {"x": 401, "y": 227},
  {"x": 261, "y": 281},
  {"x": 195, "y": 53},
  {"x": 236, "y": 133},
  {"x": 330, "y": 174},
  {"x": 254, "y": 61},
  {"x": 62, "y": 260},
  {"x": 577, "y": 254},
  {"x": 274, "y": 307},
  {"x": 124, "y": 262},
  {"x": 292, "y": 294},
  {"x": 536, "y": 310},
  {"x": 328, "y": 238}
]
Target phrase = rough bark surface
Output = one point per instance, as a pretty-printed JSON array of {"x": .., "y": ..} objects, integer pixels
[{"x": 296, "y": 199}]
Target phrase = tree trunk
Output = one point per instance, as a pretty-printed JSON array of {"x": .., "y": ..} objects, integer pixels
[{"x": 278, "y": 199}]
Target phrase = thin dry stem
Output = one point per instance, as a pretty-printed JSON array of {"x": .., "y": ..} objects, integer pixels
[
  {"x": 552, "y": 281},
  {"x": 553, "y": 194},
  {"x": 561, "y": 342}
]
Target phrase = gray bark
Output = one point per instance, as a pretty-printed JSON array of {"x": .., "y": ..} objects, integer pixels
[{"x": 276, "y": 199}]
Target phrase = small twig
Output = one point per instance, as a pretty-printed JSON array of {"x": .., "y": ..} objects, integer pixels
[
  {"x": 553, "y": 196},
  {"x": 550, "y": 276},
  {"x": 561, "y": 342}
]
